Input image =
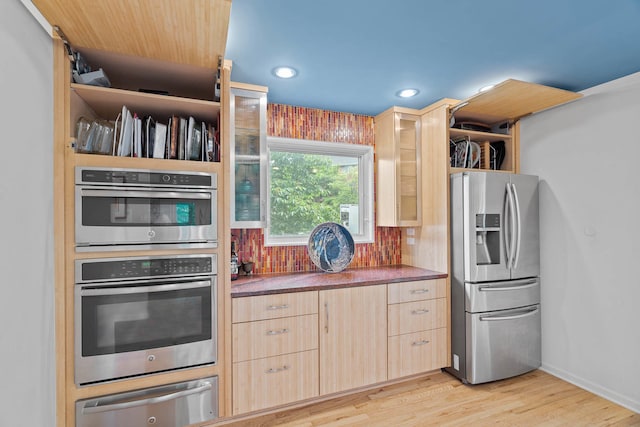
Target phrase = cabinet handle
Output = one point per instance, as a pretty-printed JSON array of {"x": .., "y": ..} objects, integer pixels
[
  {"x": 326, "y": 317},
  {"x": 417, "y": 343},
  {"x": 420, "y": 311},
  {"x": 278, "y": 332},
  {"x": 419, "y": 291},
  {"x": 276, "y": 370},
  {"x": 277, "y": 307}
]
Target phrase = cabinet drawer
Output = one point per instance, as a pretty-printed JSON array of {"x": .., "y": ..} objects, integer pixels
[
  {"x": 264, "y": 338},
  {"x": 246, "y": 309},
  {"x": 417, "y": 316},
  {"x": 416, "y": 291},
  {"x": 418, "y": 352},
  {"x": 274, "y": 381}
]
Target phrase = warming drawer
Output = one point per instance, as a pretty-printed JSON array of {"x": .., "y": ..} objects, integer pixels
[{"x": 171, "y": 405}]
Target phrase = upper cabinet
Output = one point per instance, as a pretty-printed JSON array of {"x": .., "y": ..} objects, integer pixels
[
  {"x": 162, "y": 61},
  {"x": 398, "y": 157},
  {"x": 192, "y": 32},
  {"x": 248, "y": 150},
  {"x": 482, "y": 134}
]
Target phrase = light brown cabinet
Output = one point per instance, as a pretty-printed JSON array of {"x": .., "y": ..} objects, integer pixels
[
  {"x": 274, "y": 381},
  {"x": 274, "y": 306},
  {"x": 448, "y": 121},
  {"x": 146, "y": 58},
  {"x": 487, "y": 122},
  {"x": 398, "y": 164},
  {"x": 248, "y": 155},
  {"x": 417, "y": 315},
  {"x": 298, "y": 345},
  {"x": 353, "y": 337},
  {"x": 265, "y": 338},
  {"x": 275, "y": 350}
]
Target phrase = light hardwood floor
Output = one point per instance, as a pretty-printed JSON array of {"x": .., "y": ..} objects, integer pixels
[{"x": 533, "y": 399}]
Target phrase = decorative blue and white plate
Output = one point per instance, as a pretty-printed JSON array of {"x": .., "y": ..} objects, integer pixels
[{"x": 331, "y": 247}]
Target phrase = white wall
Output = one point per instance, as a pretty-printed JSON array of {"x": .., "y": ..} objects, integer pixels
[
  {"x": 587, "y": 154},
  {"x": 27, "y": 358}
]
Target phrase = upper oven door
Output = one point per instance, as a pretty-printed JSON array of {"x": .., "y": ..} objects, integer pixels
[{"x": 121, "y": 215}]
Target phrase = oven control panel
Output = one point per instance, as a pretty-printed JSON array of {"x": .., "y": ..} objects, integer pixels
[
  {"x": 87, "y": 175},
  {"x": 144, "y": 267}
]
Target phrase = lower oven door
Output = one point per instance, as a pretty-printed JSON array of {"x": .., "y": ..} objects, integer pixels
[
  {"x": 502, "y": 344},
  {"x": 166, "y": 406},
  {"x": 132, "y": 328}
]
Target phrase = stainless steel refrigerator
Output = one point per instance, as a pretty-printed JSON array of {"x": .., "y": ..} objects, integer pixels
[{"x": 495, "y": 285}]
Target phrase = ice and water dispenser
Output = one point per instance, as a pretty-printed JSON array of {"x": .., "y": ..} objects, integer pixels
[{"x": 487, "y": 239}]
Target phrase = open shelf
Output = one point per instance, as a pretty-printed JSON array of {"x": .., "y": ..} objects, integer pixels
[
  {"x": 107, "y": 103},
  {"x": 479, "y": 136}
]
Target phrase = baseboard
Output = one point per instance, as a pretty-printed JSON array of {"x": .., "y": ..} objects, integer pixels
[{"x": 593, "y": 388}]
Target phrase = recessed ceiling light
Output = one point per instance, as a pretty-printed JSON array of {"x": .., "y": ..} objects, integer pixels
[
  {"x": 407, "y": 93},
  {"x": 285, "y": 72},
  {"x": 485, "y": 88}
]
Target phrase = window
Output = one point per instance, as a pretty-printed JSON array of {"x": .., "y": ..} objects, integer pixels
[{"x": 311, "y": 182}]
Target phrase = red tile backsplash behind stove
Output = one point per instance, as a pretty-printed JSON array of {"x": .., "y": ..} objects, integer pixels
[{"x": 316, "y": 125}]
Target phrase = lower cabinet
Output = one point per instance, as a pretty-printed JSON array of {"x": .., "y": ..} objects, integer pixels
[
  {"x": 411, "y": 354},
  {"x": 273, "y": 381},
  {"x": 417, "y": 314},
  {"x": 353, "y": 337},
  {"x": 299, "y": 345},
  {"x": 274, "y": 350}
]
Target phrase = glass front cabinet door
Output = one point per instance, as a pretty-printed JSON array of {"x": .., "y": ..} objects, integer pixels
[
  {"x": 398, "y": 146},
  {"x": 248, "y": 156}
]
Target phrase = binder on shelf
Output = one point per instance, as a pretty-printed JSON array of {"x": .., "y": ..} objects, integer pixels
[
  {"x": 149, "y": 137},
  {"x": 117, "y": 128},
  {"x": 137, "y": 137},
  {"x": 203, "y": 141},
  {"x": 181, "y": 138},
  {"x": 173, "y": 141},
  {"x": 196, "y": 142},
  {"x": 159, "y": 141},
  {"x": 126, "y": 136},
  {"x": 189, "y": 138}
]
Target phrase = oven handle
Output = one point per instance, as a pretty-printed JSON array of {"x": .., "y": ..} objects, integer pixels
[
  {"x": 114, "y": 290},
  {"x": 145, "y": 194},
  {"x": 159, "y": 399}
]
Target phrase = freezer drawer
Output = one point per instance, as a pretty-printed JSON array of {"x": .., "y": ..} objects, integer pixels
[
  {"x": 174, "y": 405},
  {"x": 491, "y": 296},
  {"x": 502, "y": 344}
]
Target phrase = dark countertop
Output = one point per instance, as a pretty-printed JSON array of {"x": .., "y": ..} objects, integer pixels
[{"x": 312, "y": 281}]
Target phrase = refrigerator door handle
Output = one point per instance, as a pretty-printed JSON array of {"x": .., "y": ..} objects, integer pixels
[
  {"x": 518, "y": 226},
  {"x": 509, "y": 317},
  {"x": 508, "y": 288},
  {"x": 510, "y": 225}
]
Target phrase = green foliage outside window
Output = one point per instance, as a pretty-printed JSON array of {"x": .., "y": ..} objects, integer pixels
[{"x": 308, "y": 189}]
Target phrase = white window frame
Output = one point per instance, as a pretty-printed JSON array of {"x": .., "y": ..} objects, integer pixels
[{"x": 364, "y": 153}]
